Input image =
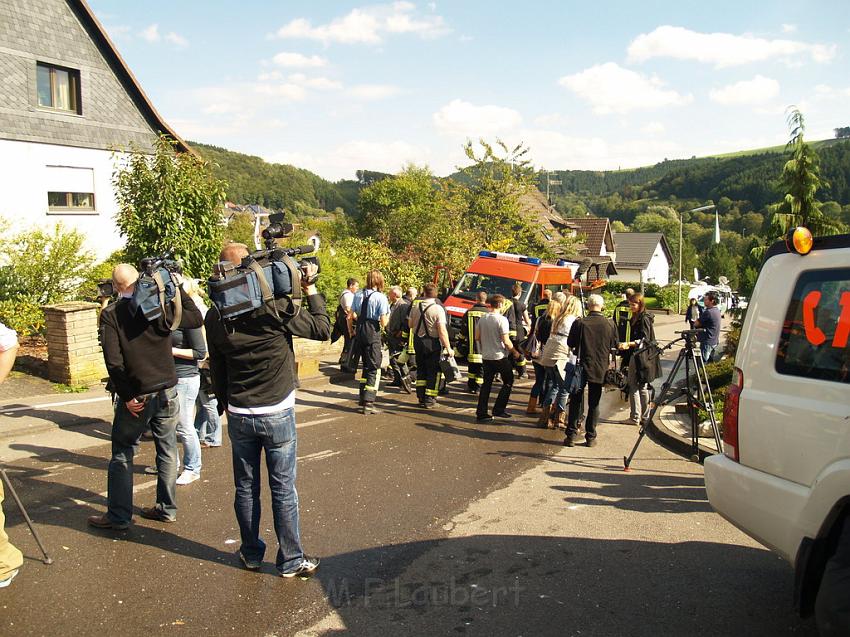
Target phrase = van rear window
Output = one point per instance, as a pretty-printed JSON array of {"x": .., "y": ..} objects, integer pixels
[{"x": 814, "y": 339}]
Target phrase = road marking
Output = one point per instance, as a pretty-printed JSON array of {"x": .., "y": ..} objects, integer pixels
[
  {"x": 64, "y": 403},
  {"x": 320, "y": 455},
  {"x": 316, "y": 422}
]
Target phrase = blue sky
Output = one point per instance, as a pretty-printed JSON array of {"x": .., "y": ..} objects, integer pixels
[{"x": 338, "y": 86}]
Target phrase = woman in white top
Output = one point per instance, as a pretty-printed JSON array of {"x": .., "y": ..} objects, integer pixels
[{"x": 558, "y": 361}]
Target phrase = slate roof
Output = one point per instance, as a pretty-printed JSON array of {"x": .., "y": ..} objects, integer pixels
[
  {"x": 596, "y": 231},
  {"x": 635, "y": 249},
  {"x": 125, "y": 75}
]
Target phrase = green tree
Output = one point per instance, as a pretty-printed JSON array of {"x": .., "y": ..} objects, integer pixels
[
  {"x": 719, "y": 261},
  {"x": 498, "y": 178},
  {"x": 843, "y": 132},
  {"x": 801, "y": 180},
  {"x": 240, "y": 229},
  {"x": 170, "y": 200}
]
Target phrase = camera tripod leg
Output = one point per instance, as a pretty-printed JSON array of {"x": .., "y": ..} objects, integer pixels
[
  {"x": 664, "y": 397},
  {"x": 47, "y": 559}
]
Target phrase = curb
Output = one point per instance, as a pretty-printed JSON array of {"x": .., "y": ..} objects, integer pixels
[{"x": 676, "y": 443}]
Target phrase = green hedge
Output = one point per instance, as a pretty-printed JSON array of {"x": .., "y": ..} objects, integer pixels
[{"x": 620, "y": 287}]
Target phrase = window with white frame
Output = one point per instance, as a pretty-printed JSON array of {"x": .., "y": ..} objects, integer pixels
[{"x": 70, "y": 190}]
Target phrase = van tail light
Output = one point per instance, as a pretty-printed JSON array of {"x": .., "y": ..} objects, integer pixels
[{"x": 730, "y": 416}]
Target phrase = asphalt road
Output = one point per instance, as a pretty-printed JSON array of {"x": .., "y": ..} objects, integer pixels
[{"x": 413, "y": 513}]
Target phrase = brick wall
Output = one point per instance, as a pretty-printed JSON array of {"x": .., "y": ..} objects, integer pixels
[
  {"x": 49, "y": 31},
  {"x": 74, "y": 356}
]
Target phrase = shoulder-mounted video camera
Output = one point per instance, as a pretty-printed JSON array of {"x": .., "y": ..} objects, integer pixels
[
  {"x": 156, "y": 288},
  {"x": 264, "y": 275}
]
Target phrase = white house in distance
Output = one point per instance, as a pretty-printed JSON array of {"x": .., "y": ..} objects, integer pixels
[
  {"x": 68, "y": 103},
  {"x": 642, "y": 257}
]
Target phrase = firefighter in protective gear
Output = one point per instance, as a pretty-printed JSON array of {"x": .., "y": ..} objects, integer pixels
[
  {"x": 370, "y": 312},
  {"x": 474, "y": 360},
  {"x": 427, "y": 323},
  {"x": 515, "y": 311},
  {"x": 397, "y": 339},
  {"x": 623, "y": 320}
]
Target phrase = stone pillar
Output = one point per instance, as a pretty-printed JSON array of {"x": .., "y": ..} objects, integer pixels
[{"x": 74, "y": 356}]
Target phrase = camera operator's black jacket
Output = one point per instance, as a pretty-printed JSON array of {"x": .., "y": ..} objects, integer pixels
[
  {"x": 137, "y": 352},
  {"x": 251, "y": 358}
]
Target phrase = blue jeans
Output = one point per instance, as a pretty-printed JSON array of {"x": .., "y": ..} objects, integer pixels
[
  {"x": 207, "y": 420},
  {"x": 161, "y": 412},
  {"x": 707, "y": 351},
  {"x": 556, "y": 387},
  {"x": 187, "y": 391},
  {"x": 249, "y": 436},
  {"x": 539, "y": 377}
]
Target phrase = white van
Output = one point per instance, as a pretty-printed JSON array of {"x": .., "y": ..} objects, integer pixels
[{"x": 784, "y": 477}]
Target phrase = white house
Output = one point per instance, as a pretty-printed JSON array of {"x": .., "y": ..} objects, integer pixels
[
  {"x": 68, "y": 103},
  {"x": 642, "y": 257}
]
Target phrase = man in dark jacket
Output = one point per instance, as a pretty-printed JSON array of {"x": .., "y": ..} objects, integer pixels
[
  {"x": 141, "y": 370},
  {"x": 253, "y": 376},
  {"x": 593, "y": 338},
  {"x": 474, "y": 360}
]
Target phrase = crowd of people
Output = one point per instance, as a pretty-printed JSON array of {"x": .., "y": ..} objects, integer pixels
[{"x": 174, "y": 376}]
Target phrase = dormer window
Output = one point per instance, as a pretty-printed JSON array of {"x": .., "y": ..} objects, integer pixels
[{"x": 58, "y": 88}]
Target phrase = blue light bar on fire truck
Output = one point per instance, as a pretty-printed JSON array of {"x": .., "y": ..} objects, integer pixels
[{"x": 507, "y": 256}]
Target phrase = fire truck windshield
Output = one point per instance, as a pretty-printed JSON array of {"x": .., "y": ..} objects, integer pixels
[{"x": 472, "y": 283}]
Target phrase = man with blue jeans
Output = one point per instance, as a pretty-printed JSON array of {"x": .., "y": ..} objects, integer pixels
[
  {"x": 254, "y": 377},
  {"x": 709, "y": 320},
  {"x": 137, "y": 353},
  {"x": 188, "y": 348}
]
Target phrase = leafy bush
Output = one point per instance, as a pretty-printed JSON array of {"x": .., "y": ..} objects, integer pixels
[
  {"x": 720, "y": 373},
  {"x": 170, "y": 201},
  {"x": 43, "y": 267},
  {"x": 22, "y": 315},
  {"x": 240, "y": 229},
  {"x": 98, "y": 272},
  {"x": 667, "y": 297},
  {"x": 620, "y": 287}
]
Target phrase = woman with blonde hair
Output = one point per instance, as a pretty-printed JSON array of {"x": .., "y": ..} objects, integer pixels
[{"x": 558, "y": 360}]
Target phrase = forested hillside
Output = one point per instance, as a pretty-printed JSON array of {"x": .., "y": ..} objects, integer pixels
[
  {"x": 751, "y": 177},
  {"x": 251, "y": 179}
]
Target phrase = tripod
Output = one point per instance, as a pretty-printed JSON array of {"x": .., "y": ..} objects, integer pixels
[
  {"x": 47, "y": 559},
  {"x": 695, "y": 388}
]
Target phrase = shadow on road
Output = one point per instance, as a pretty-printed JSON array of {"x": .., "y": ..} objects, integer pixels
[{"x": 498, "y": 585}]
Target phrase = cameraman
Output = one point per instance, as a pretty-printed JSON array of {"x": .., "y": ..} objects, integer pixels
[
  {"x": 254, "y": 377},
  {"x": 709, "y": 320},
  {"x": 141, "y": 370}
]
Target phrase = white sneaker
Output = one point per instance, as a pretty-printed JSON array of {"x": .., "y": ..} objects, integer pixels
[{"x": 187, "y": 477}]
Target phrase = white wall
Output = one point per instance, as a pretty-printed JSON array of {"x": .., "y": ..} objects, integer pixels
[
  {"x": 658, "y": 270},
  {"x": 23, "y": 175}
]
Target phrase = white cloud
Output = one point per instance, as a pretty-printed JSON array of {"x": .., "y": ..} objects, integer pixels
[
  {"x": 610, "y": 88},
  {"x": 653, "y": 128},
  {"x": 549, "y": 120},
  {"x": 789, "y": 28},
  {"x": 318, "y": 83},
  {"x": 722, "y": 49},
  {"x": 287, "y": 91},
  {"x": 176, "y": 39},
  {"x": 368, "y": 25},
  {"x": 343, "y": 161},
  {"x": 373, "y": 92},
  {"x": 758, "y": 90},
  {"x": 150, "y": 33},
  {"x": 298, "y": 60},
  {"x": 468, "y": 120}
]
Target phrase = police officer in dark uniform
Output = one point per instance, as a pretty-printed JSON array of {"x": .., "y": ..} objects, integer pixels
[{"x": 474, "y": 360}]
